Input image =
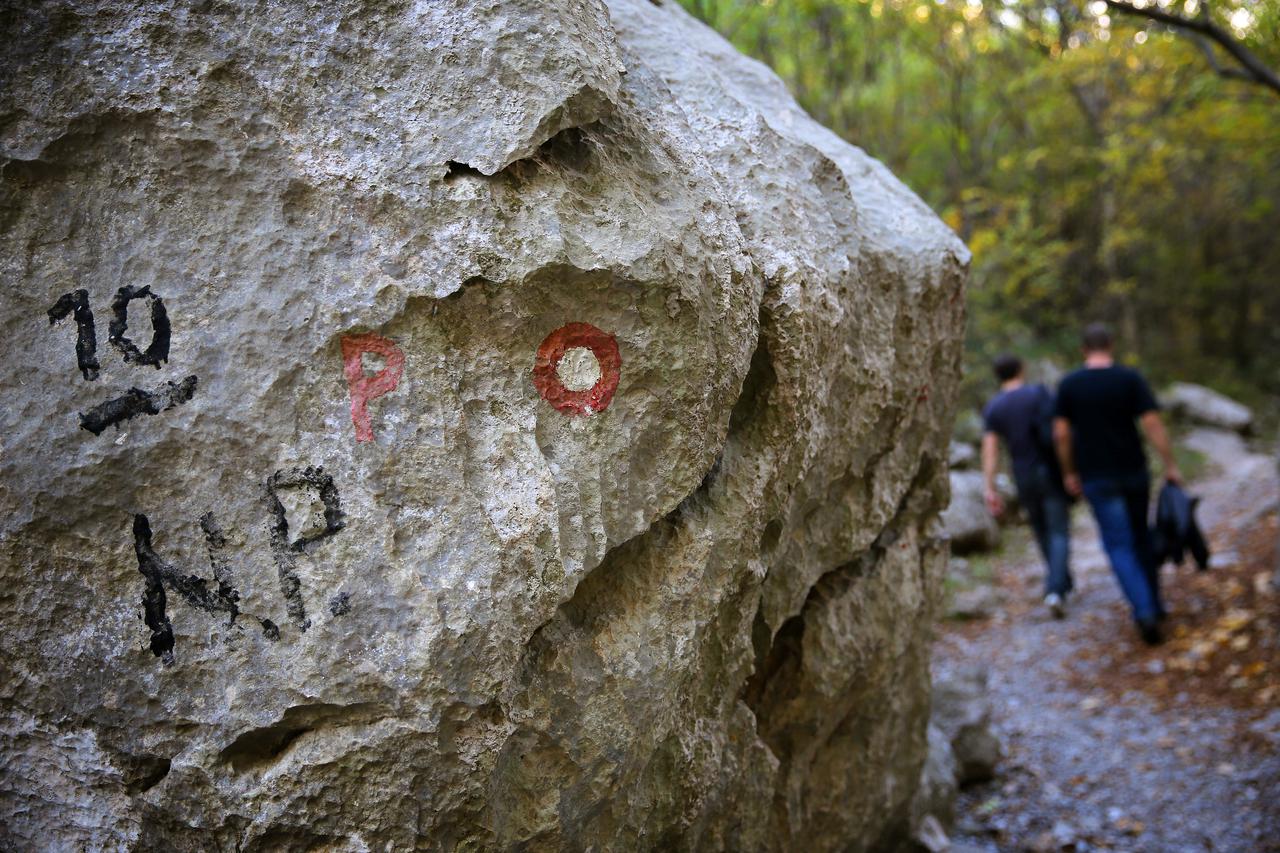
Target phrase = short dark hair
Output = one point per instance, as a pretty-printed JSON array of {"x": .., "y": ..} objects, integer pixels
[
  {"x": 1096, "y": 337},
  {"x": 1006, "y": 366}
]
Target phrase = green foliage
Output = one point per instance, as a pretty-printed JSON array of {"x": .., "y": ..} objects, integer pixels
[
  {"x": 1192, "y": 463},
  {"x": 1096, "y": 165}
]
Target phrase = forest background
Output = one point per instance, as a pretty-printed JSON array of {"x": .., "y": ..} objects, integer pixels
[{"x": 1100, "y": 163}]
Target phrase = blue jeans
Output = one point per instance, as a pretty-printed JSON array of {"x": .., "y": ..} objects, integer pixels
[
  {"x": 1120, "y": 507},
  {"x": 1049, "y": 512}
]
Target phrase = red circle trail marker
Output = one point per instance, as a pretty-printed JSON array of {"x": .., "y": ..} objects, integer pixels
[
  {"x": 365, "y": 387},
  {"x": 547, "y": 377}
]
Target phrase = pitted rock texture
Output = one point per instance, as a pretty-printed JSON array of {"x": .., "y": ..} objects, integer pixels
[{"x": 694, "y": 619}]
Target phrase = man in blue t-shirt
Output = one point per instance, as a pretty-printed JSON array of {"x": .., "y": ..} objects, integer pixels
[
  {"x": 1102, "y": 458},
  {"x": 1017, "y": 415}
]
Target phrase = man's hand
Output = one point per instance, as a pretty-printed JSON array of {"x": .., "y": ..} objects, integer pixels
[
  {"x": 1173, "y": 474},
  {"x": 1071, "y": 482},
  {"x": 991, "y": 461}
]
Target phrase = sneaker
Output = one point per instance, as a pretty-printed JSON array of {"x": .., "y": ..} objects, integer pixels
[
  {"x": 1150, "y": 631},
  {"x": 1057, "y": 605}
]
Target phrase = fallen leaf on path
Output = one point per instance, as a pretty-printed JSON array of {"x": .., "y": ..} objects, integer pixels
[
  {"x": 1130, "y": 826},
  {"x": 989, "y": 806},
  {"x": 1202, "y": 649},
  {"x": 1234, "y": 620}
]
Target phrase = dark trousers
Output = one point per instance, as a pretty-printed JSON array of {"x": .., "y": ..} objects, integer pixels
[
  {"x": 1049, "y": 512},
  {"x": 1119, "y": 505}
]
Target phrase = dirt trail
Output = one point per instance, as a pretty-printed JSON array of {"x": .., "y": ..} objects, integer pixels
[{"x": 1111, "y": 745}]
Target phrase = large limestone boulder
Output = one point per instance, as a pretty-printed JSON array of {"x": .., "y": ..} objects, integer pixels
[
  {"x": 463, "y": 425},
  {"x": 1202, "y": 405}
]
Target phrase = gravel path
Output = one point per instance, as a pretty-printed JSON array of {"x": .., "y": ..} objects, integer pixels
[{"x": 1092, "y": 762}]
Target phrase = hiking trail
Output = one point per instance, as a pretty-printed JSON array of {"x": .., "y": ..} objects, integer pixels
[{"x": 1110, "y": 744}]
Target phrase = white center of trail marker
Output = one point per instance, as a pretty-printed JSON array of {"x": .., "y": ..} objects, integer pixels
[{"x": 578, "y": 370}]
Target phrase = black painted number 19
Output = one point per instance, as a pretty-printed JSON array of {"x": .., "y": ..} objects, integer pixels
[
  {"x": 136, "y": 401},
  {"x": 76, "y": 303}
]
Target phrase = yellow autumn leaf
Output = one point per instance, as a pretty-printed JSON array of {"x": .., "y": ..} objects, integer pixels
[{"x": 1234, "y": 620}]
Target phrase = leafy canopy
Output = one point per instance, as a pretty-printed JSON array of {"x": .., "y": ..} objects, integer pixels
[{"x": 1100, "y": 165}]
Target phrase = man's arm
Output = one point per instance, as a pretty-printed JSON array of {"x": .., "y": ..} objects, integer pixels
[
  {"x": 1153, "y": 426},
  {"x": 1062, "y": 444},
  {"x": 990, "y": 461}
]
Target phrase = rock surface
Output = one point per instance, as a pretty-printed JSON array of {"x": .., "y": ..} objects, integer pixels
[
  {"x": 977, "y": 602},
  {"x": 963, "y": 456},
  {"x": 1202, "y": 405},
  {"x": 936, "y": 795},
  {"x": 966, "y": 520},
  {"x": 313, "y": 532},
  {"x": 962, "y": 712}
]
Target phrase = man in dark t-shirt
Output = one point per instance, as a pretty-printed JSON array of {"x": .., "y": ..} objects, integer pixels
[
  {"x": 1017, "y": 415},
  {"x": 1096, "y": 435}
]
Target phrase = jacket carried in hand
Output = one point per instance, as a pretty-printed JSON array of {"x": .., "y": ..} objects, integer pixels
[{"x": 1175, "y": 531}]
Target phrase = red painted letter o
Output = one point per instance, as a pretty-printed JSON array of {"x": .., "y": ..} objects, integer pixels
[{"x": 552, "y": 349}]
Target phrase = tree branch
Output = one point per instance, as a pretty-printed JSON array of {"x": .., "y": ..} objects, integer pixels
[
  {"x": 1251, "y": 68},
  {"x": 1206, "y": 47}
]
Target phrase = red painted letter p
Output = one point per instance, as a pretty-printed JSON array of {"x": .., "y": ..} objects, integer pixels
[{"x": 364, "y": 387}]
